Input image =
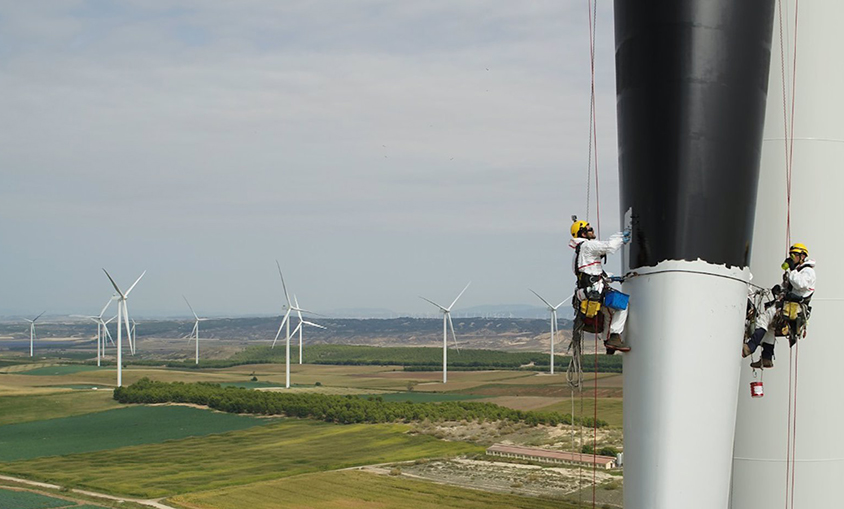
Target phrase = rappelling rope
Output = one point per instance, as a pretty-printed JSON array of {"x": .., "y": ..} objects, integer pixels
[{"x": 788, "y": 127}]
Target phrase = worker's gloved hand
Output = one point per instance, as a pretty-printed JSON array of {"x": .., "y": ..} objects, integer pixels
[
  {"x": 788, "y": 264},
  {"x": 616, "y": 279},
  {"x": 625, "y": 235}
]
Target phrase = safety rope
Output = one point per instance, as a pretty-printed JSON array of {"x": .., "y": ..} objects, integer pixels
[{"x": 788, "y": 128}]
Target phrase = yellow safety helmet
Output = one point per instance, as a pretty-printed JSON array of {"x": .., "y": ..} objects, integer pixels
[
  {"x": 577, "y": 226},
  {"x": 799, "y": 249}
]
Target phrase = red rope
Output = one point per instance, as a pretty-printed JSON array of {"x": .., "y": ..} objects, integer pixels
[
  {"x": 593, "y": 120},
  {"x": 788, "y": 127},
  {"x": 788, "y": 432},
  {"x": 794, "y": 426},
  {"x": 593, "y": 23}
]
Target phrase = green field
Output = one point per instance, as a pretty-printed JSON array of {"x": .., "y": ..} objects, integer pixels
[
  {"x": 609, "y": 409},
  {"x": 68, "y": 369},
  {"x": 112, "y": 429},
  {"x": 16, "y": 409},
  {"x": 11, "y": 499},
  {"x": 260, "y": 453},
  {"x": 355, "y": 489}
]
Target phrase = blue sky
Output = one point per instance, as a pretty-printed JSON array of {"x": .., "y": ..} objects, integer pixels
[{"x": 379, "y": 150}]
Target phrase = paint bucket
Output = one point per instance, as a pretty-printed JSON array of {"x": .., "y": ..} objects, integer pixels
[{"x": 756, "y": 390}]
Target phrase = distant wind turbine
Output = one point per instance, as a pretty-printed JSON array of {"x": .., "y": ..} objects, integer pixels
[
  {"x": 447, "y": 323},
  {"x": 194, "y": 334},
  {"x": 32, "y": 333},
  {"x": 302, "y": 322},
  {"x": 100, "y": 326},
  {"x": 285, "y": 320},
  {"x": 122, "y": 317},
  {"x": 553, "y": 310}
]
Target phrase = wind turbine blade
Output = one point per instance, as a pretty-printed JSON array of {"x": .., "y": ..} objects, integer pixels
[
  {"x": 191, "y": 309},
  {"x": 295, "y": 331},
  {"x": 114, "y": 284},
  {"x": 312, "y": 324},
  {"x": 567, "y": 299},
  {"x": 298, "y": 310},
  {"x": 281, "y": 326},
  {"x": 126, "y": 321},
  {"x": 136, "y": 282},
  {"x": 540, "y": 298},
  {"x": 434, "y": 303},
  {"x": 110, "y": 319},
  {"x": 458, "y": 295},
  {"x": 104, "y": 308},
  {"x": 283, "y": 285},
  {"x": 39, "y": 316},
  {"x": 108, "y": 334},
  {"x": 453, "y": 335},
  {"x": 193, "y": 332}
]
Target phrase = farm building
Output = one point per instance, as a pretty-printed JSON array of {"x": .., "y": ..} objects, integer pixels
[{"x": 549, "y": 456}]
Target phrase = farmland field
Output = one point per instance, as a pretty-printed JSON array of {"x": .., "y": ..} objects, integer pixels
[
  {"x": 12, "y": 499},
  {"x": 355, "y": 489},
  {"x": 112, "y": 429},
  {"x": 260, "y": 453},
  {"x": 15, "y": 409},
  {"x": 61, "y": 370}
]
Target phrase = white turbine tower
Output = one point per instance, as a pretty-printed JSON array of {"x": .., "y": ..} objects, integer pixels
[
  {"x": 285, "y": 320},
  {"x": 122, "y": 317},
  {"x": 447, "y": 323},
  {"x": 553, "y": 310},
  {"x": 100, "y": 326},
  {"x": 194, "y": 334},
  {"x": 302, "y": 321},
  {"x": 32, "y": 333}
]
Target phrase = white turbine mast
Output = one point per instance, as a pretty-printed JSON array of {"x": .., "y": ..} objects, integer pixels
[
  {"x": 32, "y": 333},
  {"x": 122, "y": 317},
  {"x": 302, "y": 321},
  {"x": 447, "y": 323},
  {"x": 285, "y": 320},
  {"x": 553, "y": 310},
  {"x": 194, "y": 334},
  {"x": 98, "y": 319}
]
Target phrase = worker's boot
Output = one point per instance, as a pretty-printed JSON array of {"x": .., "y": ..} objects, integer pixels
[
  {"x": 614, "y": 343},
  {"x": 753, "y": 343},
  {"x": 767, "y": 359}
]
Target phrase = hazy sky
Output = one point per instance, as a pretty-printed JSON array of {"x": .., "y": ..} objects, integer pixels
[{"x": 380, "y": 150}]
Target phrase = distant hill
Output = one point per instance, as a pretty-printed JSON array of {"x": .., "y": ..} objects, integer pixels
[{"x": 486, "y": 333}]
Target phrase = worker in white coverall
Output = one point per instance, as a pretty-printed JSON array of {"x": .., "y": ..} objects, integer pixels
[
  {"x": 589, "y": 253},
  {"x": 799, "y": 286}
]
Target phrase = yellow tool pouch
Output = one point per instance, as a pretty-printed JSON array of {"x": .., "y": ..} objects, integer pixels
[
  {"x": 590, "y": 308},
  {"x": 790, "y": 310}
]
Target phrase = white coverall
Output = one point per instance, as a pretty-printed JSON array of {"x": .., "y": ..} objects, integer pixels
[
  {"x": 802, "y": 280},
  {"x": 589, "y": 262}
]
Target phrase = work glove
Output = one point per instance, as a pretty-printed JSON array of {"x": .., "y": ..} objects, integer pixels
[
  {"x": 625, "y": 235},
  {"x": 788, "y": 264},
  {"x": 616, "y": 279}
]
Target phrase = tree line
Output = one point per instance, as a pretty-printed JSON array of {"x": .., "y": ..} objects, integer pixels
[{"x": 331, "y": 408}]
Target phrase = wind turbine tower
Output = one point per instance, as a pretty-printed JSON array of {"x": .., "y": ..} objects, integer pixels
[
  {"x": 122, "y": 317},
  {"x": 32, "y": 333},
  {"x": 302, "y": 322},
  {"x": 285, "y": 320},
  {"x": 447, "y": 323},
  {"x": 553, "y": 310},
  {"x": 195, "y": 332}
]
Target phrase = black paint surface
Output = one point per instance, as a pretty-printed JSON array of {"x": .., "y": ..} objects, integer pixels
[{"x": 692, "y": 79}]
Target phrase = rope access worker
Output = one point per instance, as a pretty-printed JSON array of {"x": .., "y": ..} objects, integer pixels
[
  {"x": 798, "y": 288},
  {"x": 592, "y": 281}
]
